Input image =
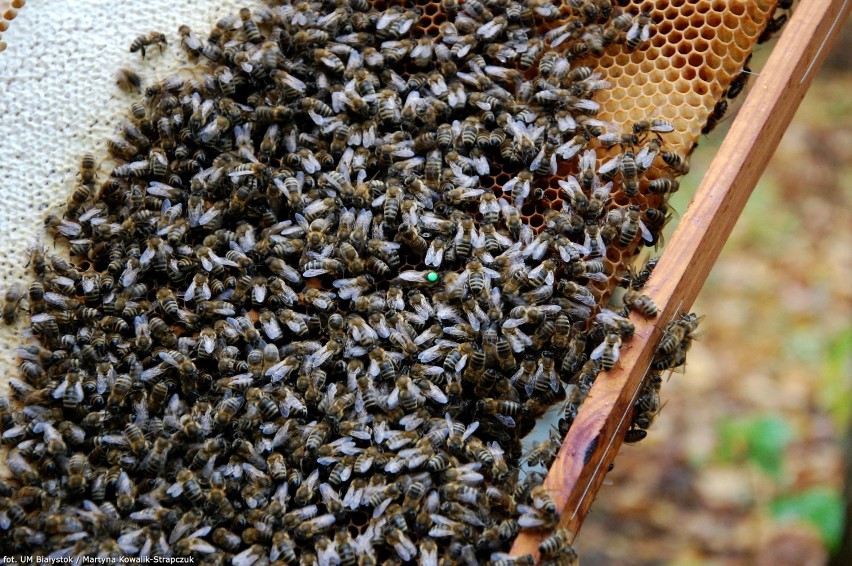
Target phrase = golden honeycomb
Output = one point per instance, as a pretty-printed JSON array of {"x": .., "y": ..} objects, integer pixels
[{"x": 695, "y": 50}]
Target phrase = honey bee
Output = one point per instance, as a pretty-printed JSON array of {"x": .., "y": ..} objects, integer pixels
[
  {"x": 128, "y": 81},
  {"x": 715, "y": 117},
  {"x": 632, "y": 225},
  {"x": 189, "y": 42},
  {"x": 147, "y": 40},
  {"x": 12, "y": 300},
  {"x": 639, "y": 31},
  {"x": 739, "y": 82},
  {"x": 410, "y": 236},
  {"x": 642, "y": 303},
  {"x": 608, "y": 351},
  {"x": 679, "y": 332},
  {"x": 79, "y": 473},
  {"x": 534, "y": 49},
  {"x": 558, "y": 545}
]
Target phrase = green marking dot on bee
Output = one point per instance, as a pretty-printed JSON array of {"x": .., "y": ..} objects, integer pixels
[{"x": 432, "y": 277}]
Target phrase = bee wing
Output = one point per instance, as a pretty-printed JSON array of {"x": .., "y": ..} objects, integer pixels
[
  {"x": 526, "y": 235},
  {"x": 461, "y": 363},
  {"x": 413, "y": 276},
  {"x": 517, "y": 375},
  {"x": 538, "y": 159},
  {"x": 645, "y": 157},
  {"x": 434, "y": 393},
  {"x": 430, "y": 354},
  {"x": 393, "y": 399},
  {"x": 554, "y": 381},
  {"x": 505, "y": 420},
  {"x": 434, "y": 255},
  {"x": 588, "y": 159},
  {"x": 609, "y": 138},
  {"x": 634, "y": 31},
  {"x": 175, "y": 490},
  {"x": 60, "y": 389},
  {"x": 471, "y": 428},
  {"x": 529, "y": 387},
  {"x": 457, "y": 97},
  {"x": 610, "y": 165},
  {"x": 598, "y": 351},
  {"x": 189, "y": 294},
  {"x": 513, "y": 322},
  {"x": 271, "y": 328}
]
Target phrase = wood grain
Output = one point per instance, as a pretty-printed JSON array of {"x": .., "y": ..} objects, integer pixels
[{"x": 596, "y": 435}]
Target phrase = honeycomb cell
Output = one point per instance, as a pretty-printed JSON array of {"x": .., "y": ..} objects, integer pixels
[
  {"x": 749, "y": 28},
  {"x": 737, "y": 8},
  {"x": 681, "y": 23},
  {"x": 685, "y": 47},
  {"x": 536, "y": 220},
  {"x": 613, "y": 254},
  {"x": 731, "y": 67},
  {"x": 693, "y": 99},
  {"x": 649, "y": 90},
  {"x": 713, "y": 62},
  {"x": 695, "y": 61},
  {"x": 669, "y": 112}
]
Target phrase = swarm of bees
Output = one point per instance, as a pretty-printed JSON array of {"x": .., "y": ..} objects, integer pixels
[{"x": 300, "y": 326}]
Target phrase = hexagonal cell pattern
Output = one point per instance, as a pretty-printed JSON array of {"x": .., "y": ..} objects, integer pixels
[{"x": 696, "y": 48}]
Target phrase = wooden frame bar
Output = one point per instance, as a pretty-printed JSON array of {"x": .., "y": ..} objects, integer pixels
[{"x": 590, "y": 446}]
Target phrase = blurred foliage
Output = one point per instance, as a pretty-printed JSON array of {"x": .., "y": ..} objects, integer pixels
[
  {"x": 744, "y": 464},
  {"x": 820, "y": 507},
  {"x": 836, "y": 392},
  {"x": 761, "y": 441}
]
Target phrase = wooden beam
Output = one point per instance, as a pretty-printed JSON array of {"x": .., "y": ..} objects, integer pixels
[{"x": 598, "y": 431}]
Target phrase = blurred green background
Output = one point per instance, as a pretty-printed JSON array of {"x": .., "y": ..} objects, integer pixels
[{"x": 744, "y": 464}]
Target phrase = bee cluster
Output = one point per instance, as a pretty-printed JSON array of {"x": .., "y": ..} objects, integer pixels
[{"x": 334, "y": 278}]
